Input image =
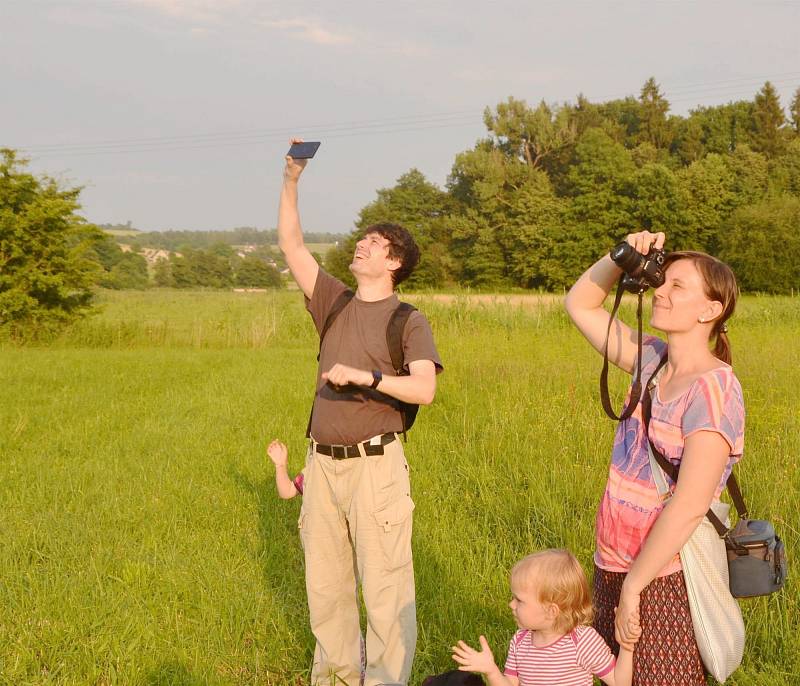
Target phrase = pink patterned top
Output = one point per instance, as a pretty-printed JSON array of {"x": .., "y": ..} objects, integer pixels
[{"x": 630, "y": 504}]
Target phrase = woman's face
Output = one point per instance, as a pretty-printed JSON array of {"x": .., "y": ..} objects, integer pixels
[{"x": 680, "y": 302}]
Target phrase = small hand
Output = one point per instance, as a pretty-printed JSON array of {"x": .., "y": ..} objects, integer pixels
[
  {"x": 634, "y": 628},
  {"x": 294, "y": 167},
  {"x": 473, "y": 661},
  {"x": 342, "y": 375},
  {"x": 278, "y": 453},
  {"x": 643, "y": 240},
  {"x": 626, "y": 622}
]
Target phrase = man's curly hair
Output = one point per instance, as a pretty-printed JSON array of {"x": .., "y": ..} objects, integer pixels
[{"x": 401, "y": 247}]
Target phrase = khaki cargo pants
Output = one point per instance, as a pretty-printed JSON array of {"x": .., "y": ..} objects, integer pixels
[{"x": 355, "y": 526}]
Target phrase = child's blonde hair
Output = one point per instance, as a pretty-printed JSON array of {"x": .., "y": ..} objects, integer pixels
[{"x": 558, "y": 578}]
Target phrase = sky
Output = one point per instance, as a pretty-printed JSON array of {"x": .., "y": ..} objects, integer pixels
[{"x": 177, "y": 114}]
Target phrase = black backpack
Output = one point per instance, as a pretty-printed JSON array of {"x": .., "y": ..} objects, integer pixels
[{"x": 394, "y": 339}]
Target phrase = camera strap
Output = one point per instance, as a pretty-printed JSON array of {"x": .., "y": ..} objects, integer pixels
[{"x": 636, "y": 388}]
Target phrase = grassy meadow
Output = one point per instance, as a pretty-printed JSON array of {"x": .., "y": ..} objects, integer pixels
[{"x": 142, "y": 541}]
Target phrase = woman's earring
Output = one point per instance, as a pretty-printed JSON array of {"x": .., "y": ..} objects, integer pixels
[{"x": 701, "y": 320}]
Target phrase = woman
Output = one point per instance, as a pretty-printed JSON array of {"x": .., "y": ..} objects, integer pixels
[{"x": 697, "y": 423}]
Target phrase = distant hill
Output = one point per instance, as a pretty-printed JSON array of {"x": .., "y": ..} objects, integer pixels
[
  {"x": 120, "y": 229},
  {"x": 199, "y": 240}
]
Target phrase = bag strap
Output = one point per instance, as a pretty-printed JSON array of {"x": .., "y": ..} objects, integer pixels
[
  {"x": 394, "y": 340},
  {"x": 394, "y": 335},
  {"x": 673, "y": 470},
  {"x": 338, "y": 305},
  {"x": 636, "y": 389}
]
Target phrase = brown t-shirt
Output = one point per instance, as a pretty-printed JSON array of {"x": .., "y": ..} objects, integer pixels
[{"x": 357, "y": 338}]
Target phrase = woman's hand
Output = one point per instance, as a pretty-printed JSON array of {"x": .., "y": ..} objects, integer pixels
[
  {"x": 644, "y": 240},
  {"x": 626, "y": 622}
]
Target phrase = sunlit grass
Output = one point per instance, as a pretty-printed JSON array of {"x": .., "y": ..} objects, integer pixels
[{"x": 141, "y": 540}]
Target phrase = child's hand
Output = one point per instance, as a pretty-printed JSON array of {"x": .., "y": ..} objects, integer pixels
[
  {"x": 278, "y": 453},
  {"x": 473, "y": 661},
  {"x": 634, "y": 628}
]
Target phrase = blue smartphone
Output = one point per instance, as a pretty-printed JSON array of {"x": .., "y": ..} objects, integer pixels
[{"x": 303, "y": 151}]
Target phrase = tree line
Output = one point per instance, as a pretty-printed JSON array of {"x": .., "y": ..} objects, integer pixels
[
  {"x": 551, "y": 187},
  {"x": 542, "y": 195},
  {"x": 218, "y": 266},
  {"x": 179, "y": 241}
]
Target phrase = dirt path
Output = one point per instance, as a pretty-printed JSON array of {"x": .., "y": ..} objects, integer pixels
[{"x": 518, "y": 299}]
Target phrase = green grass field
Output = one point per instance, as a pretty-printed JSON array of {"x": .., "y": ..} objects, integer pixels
[{"x": 142, "y": 542}]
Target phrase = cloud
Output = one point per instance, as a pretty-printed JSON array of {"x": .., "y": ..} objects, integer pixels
[
  {"x": 310, "y": 30},
  {"x": 197, "y": 11}
]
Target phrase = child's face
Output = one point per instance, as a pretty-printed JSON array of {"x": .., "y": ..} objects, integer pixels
[{"x": 529, "y": 612}]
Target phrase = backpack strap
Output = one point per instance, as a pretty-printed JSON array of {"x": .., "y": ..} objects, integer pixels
[
  {"x": 394, "y": 340},
  {"x": 394, "y": 335},
  {"x": 339, "y": 304}
]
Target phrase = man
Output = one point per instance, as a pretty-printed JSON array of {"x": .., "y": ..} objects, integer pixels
[{"x": 355, "y": 523}]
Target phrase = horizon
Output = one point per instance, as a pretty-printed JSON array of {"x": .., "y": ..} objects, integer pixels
[{"x": 176, "y": 115}]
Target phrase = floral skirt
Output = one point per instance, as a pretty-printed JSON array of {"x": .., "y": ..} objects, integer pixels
[{"x": 666, "y": 654}]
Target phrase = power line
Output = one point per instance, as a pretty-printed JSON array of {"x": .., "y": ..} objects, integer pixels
[
  {"x": 263, "y": 139},
  {"x": 385, "y": 126},
  {"x": 712, "y": 85},
  {"x": 283, "y": 131}
]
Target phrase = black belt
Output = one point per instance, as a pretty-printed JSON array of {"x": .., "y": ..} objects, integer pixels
[{"x": 343, "y": 452}]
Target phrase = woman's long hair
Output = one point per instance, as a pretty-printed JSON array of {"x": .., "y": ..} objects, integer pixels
[{"x": 719, "y": 284}]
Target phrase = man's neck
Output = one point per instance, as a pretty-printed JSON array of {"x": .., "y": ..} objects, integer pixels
[{"x": 374, "y": 290}]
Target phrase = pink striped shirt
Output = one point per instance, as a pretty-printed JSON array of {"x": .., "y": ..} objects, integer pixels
[{"x": 569, "y": 661}]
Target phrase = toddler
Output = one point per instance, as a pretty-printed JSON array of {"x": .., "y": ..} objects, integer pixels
[
  {"x": 287, "y": 487},
  {"x": 554, "y": 645}
]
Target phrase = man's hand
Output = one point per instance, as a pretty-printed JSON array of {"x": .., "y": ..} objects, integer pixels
[
  {"x": 278, "y": 453},
  {"x": 473, "y": 661},
  {"x": 342, "y": 375},
  {"x": 293, "y": 167}
]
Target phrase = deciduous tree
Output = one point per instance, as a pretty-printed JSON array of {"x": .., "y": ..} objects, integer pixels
[{"x": 47, "y": 270}]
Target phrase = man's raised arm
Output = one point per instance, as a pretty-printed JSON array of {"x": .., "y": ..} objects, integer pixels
[{"x": 301, "y": 262}]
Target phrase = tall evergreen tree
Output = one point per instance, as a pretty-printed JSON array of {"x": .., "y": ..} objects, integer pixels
[
  {"x": 794, "y": 112},
  {"x": 653, "y": 127},
  {"x": 768, "y": 119}
]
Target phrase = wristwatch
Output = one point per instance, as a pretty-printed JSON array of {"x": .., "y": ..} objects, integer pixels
[{"x": 377, "y": 377}]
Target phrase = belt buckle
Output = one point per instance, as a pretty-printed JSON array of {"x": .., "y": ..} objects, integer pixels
[{"x": 338, "y": 452}]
